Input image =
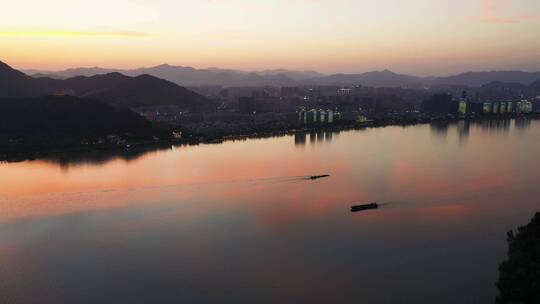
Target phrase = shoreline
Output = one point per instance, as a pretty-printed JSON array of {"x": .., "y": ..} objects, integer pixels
[
  {"x": 404, "y": 122},
  {"x": 136, "y": 147}
]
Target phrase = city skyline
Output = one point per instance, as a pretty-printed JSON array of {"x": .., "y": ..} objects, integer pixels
[{"x": 419, "y": 37}]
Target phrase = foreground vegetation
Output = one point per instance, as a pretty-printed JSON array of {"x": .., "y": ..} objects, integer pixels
[{"x": 519, "y": 278}]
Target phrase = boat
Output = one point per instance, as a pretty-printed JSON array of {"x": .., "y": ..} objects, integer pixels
[
  {"x": 363, "y": 207},
  {"x": 319, "y": 176}
]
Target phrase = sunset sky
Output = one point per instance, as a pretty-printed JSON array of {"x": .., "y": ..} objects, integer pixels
[{"x": 423, "y": 37}]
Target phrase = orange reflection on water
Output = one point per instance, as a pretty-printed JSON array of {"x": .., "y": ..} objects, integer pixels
[
  {"x": 264, "y": 176},
  {"x": 243, "y": 217}
]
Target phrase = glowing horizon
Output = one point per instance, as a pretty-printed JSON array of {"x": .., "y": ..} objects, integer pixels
[{"x": 420, "y": 37}]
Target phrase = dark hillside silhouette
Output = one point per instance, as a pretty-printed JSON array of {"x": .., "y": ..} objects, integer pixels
[
  {"x": 17, "y": 84},
  {"x": 113, "y": 88},
  {"x": 519, "y": 278},
  {"x": 67, "y": 116}
]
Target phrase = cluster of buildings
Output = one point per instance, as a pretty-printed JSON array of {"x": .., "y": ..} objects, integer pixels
[
  {"x": 502, "y": 107},
  {"x": 445, "y": 104},
  {"x": 495, "y": 107},
  {"x": 315, "y": 116}
]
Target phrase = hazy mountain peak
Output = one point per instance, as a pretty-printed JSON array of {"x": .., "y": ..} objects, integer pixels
[
  {"x": 105, "y": 76},
  {"x": 164, "y": 66},
  {"x": 116, "y": 74},
  {"x": 5, "y": 68},
  {"x": 14, "y": 83},
  {"x": 3, "y": 65}
]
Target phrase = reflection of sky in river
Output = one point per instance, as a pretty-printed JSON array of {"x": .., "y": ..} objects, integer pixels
[{"x": 239, "y": 222}]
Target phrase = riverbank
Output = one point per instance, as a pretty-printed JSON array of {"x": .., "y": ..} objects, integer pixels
[
  {"x": 351, "y": 125},
  {"x": 137, "y": 147}
]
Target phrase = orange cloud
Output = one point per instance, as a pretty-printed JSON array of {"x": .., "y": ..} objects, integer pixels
[
  {"x": 492, "y": 11},
  {"x": 63, "y": 33}
]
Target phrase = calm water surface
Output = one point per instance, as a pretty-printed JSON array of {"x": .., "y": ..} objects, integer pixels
[{"x": 238, "y": 221}]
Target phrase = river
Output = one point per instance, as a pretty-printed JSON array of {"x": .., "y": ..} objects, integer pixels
[{"x": 241, "y": 222}]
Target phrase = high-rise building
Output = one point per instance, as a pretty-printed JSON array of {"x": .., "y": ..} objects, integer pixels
[
  {"x": 322, "y": 116},
  {"x": 330, "y": 116},
  {"x": 495, "y": 107},
  {"x": 524, "y": 107},
  {"x": 312, "y": 116},
  {"x": 316, "y": 116},
  {"x": 344, "y": 92},
  {"x": 462, "y": 107},
  {"x": 502, "y": 107},
  {"x": 302, "y": 115},
  {"x": 487, "y": 108}
]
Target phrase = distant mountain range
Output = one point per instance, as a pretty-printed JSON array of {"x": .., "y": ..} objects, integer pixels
[
  {"x": 476, "y": 79},
  {"x": 188, "y": 76},
  {"x": 113, "y": 88},
  {"x": 384, "y": 78},
  {"x": 503, "y": 90}
]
